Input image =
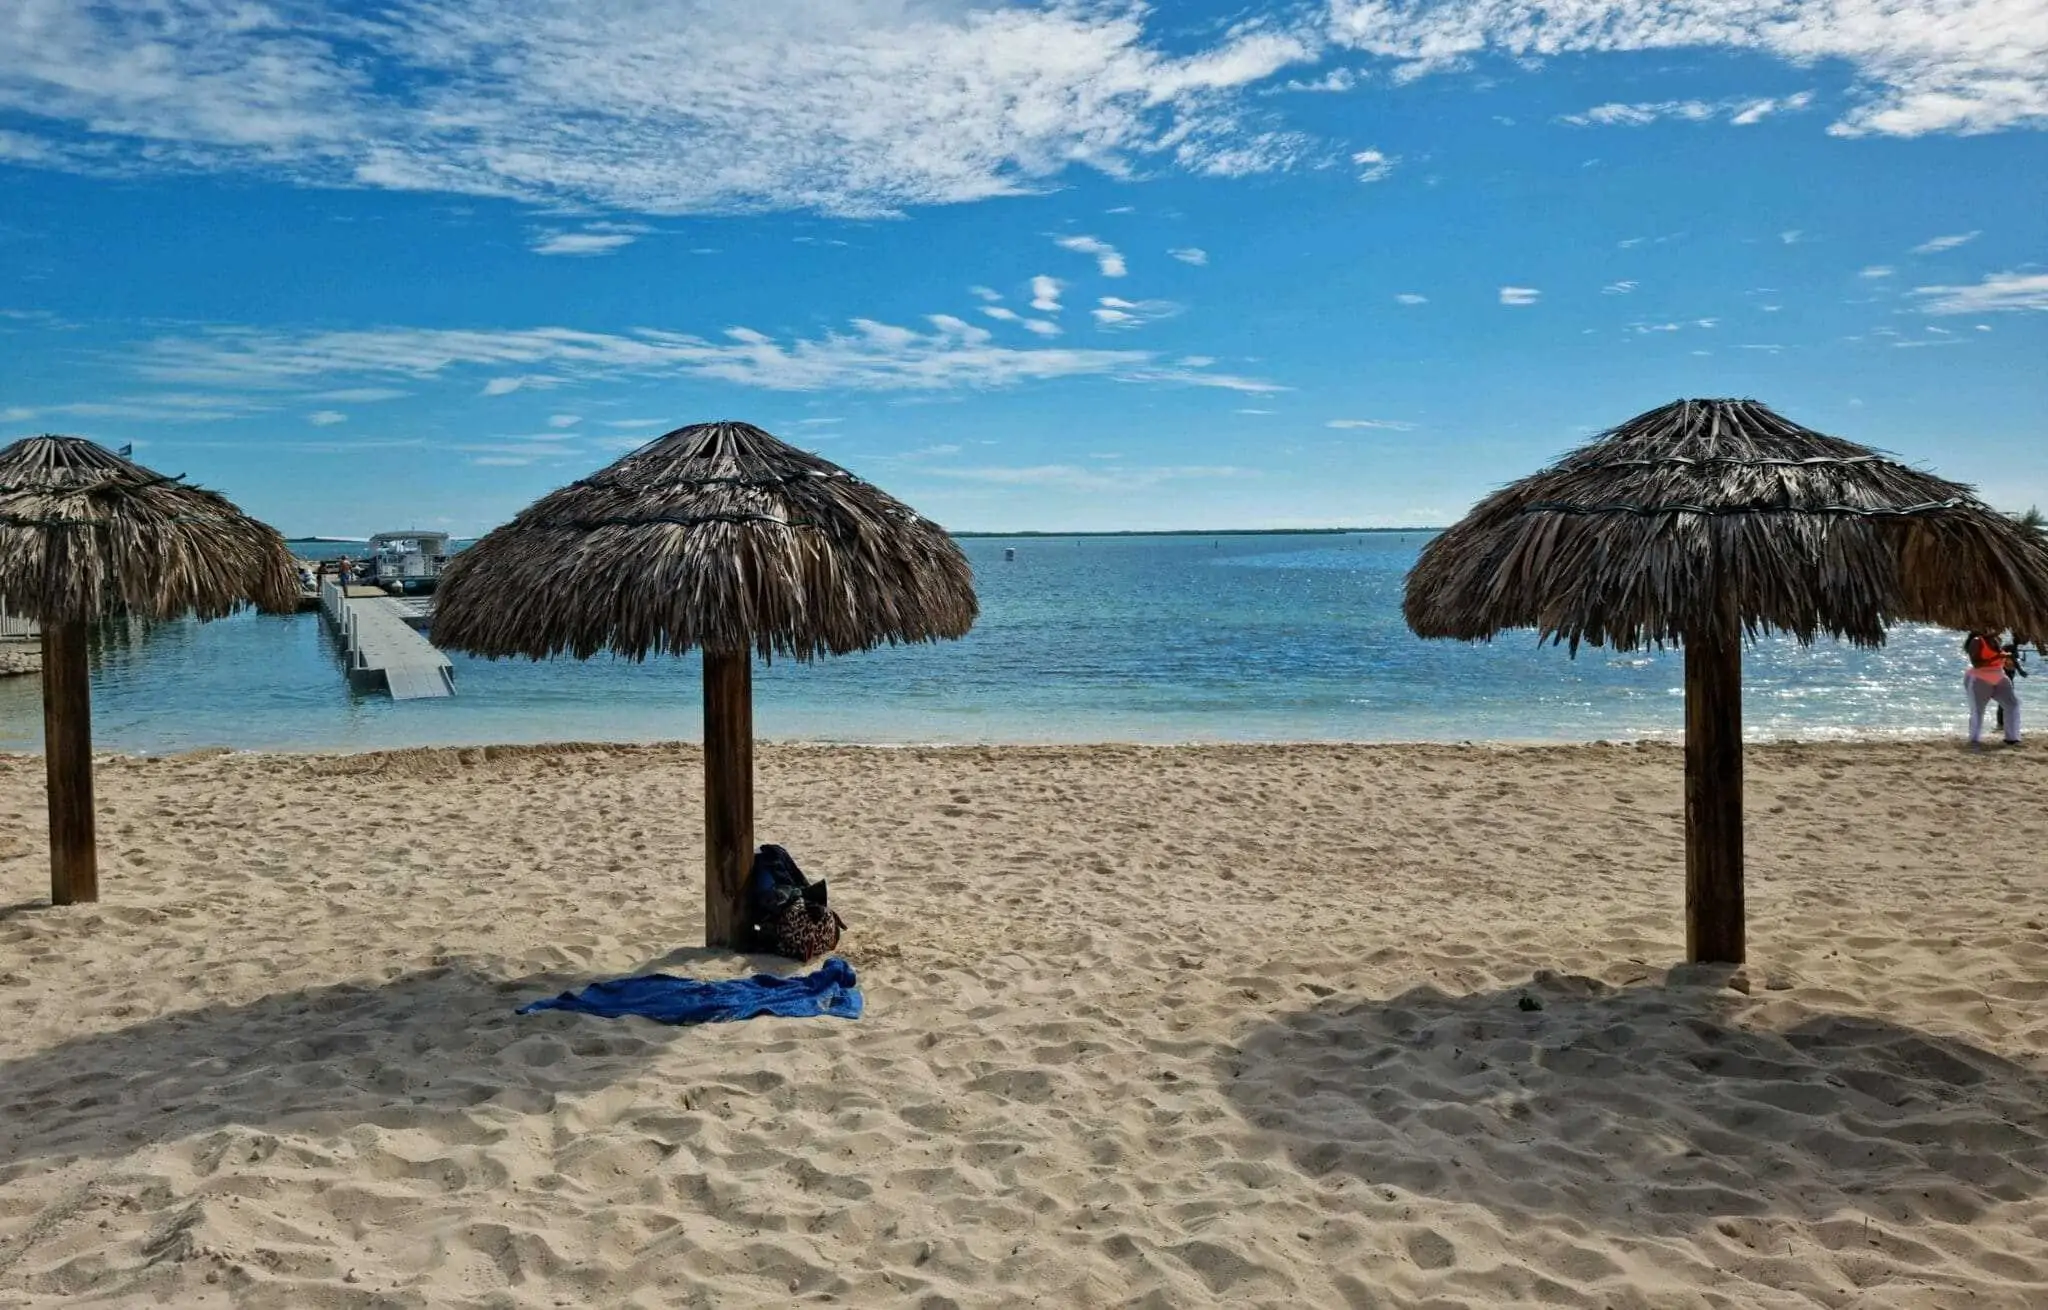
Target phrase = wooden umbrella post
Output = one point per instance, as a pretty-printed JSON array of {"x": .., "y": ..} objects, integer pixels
[
  {"x": 728, "y": 792},
  {"x": 67, "y": 757},
  {"x": 1713, "y": 793}
]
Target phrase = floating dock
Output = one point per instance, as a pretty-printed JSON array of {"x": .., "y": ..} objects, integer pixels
[{"x": 385, "y": 652}]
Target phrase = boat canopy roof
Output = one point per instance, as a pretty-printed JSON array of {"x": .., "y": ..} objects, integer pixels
[{"x": 431, "y": 543}]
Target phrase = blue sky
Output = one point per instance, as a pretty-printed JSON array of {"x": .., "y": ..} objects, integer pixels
[{"x": 1066, "y": 266}]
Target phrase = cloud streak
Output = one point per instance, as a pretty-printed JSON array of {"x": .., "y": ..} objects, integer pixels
[
  {"x": 1108, "y": 260},
  {"x": 1926, "y": 65},
  {"x": 1116, "y": 312},
  {"x": 1374, "y": 165},
  {"x": 1073, "y": 477},
  {"x": 1998, "y": 291},
  {"x": 948, "y": 354},
  {"x": 1740, "y": 111},
  {"x": 1936, "y": 245},
  {"x": 582, "y": 243},
  {"x": 570, "y": 100}
]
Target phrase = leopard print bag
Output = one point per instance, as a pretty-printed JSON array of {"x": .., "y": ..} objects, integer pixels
[
  {"x": 807, "y": 929},
  {"x": 787, "y": 913}
]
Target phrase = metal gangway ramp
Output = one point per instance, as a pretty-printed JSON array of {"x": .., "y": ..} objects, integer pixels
[{"x": 383, "y": 651}]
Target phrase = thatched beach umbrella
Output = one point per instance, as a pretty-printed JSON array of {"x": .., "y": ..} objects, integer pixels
[
  {"x": 720, "y": 537},
  {"x": 1705, "y": 522},
  {"x": 86, "y": 535}
]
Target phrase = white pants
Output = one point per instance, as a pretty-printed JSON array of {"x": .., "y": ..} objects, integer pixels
[{"x": 1983, "y": 691}]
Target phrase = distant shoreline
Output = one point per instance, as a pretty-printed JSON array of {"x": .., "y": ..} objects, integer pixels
[
  {"x": 1197, "y": 532},
  {"x": 1100, "y": 532}
]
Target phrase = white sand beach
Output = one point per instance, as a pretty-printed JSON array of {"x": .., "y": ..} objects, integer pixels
[{"x": 1287, "y": 1026}]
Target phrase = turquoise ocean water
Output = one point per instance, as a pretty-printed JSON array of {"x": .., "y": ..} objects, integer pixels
[{"x": 1081, "y": 639}]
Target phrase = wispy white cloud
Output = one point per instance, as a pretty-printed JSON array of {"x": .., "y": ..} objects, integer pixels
[
  {"x": 1877, "y": 271},
  {"x": 564, "y": 420},
  {"x": 1390, "y": 425},
  {"x": 1758, "y": 110},
  {"x": 502, "y": 461},
  {"x": 1074, "y": 477},
  {"x": 520, "y": 448},
  {"x": 1191, "y": 255},
  {"x": 1116, "y": 312},
  {"x": 158, "y": 407},
  {"x": 1792, "y": 236},
  {"x": 21, "y": 148},
  {"x": 1621, "y": 288},
  {"x": 988, "y": 294},
  {"x": 1926, "y": 65},
  {"x": 1004, "y": 314},
  {"x": 325, "y": 418},
  {"x": 505, "y": 386},
  {"x": 1336, "y": 80},
  {"x": 1997, "y": 291},
  {"x": 1107, "y": 257},
  {"x": 565, "y": 100},
  {"x": 869, "y": 355},
  {"x": 1373, "y": 165},
  {"x": 1045, "y": 294},
  {"x": 1519, "y": 295},
  {"x": 586, "y": 242},
  {"x": 1936, "y": 245},
  {"x": 1741, "y": 111},
  {"x": 1410, "y": 298},
  {"x": 360, "y": 395}
]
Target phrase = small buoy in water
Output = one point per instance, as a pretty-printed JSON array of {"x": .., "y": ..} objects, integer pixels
[{"x": 1009, "y": 552}]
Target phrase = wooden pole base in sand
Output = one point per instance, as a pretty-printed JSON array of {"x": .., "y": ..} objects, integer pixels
[
  {"x": 1713, "y": 795},
  {"x": 728, "y": 792},
  {"x": 67, "y": 759}
]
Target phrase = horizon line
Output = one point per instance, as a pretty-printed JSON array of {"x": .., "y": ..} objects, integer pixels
[{"x": 963, "y": 533}]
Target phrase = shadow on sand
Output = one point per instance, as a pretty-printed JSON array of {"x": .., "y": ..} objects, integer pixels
[
  {"x": 1646, "y": 1108},
  {"x": 422, "y": 1048}
]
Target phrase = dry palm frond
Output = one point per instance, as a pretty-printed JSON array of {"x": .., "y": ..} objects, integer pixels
[
  {"x": 86, "y": 534},
  {"x": 715, "y": 536},
  {"x": 1636, "y": 537}
]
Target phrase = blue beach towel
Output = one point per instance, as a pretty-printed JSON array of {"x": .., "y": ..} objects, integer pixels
[{"x": 832, "y": 990}]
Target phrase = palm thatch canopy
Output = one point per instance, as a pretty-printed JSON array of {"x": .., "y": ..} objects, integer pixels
[
  {"x": 720, "y": 537},
  {"x": 85, "y": 534},
  {"x": 1646, "y": 533},
  {"x": 716, "y": 536},
  {"x": 1705, "y": 522}
]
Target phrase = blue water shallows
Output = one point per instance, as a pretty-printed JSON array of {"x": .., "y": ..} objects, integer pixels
[{"x": 1151, "y": 639}]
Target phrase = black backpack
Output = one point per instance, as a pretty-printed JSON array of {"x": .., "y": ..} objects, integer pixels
[{"x": 786, "y": 913}]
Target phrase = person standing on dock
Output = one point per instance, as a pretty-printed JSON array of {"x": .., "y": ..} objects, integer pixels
[{"x": 345, "y": 570}]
